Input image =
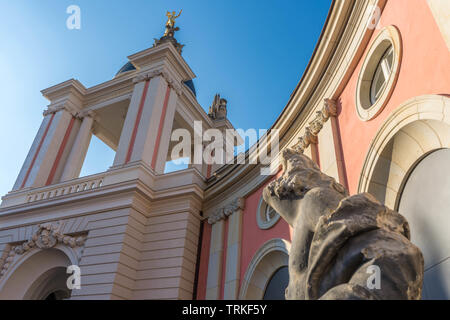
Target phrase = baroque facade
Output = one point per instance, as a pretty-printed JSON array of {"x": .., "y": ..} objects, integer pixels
[{"x": 372, "y": 110}]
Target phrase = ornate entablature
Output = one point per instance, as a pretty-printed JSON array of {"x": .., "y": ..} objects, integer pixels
[
  {"x": 47, "y": 236},
  {"x": 229, "y": 209},
  {"x": 316, "y": 125}
]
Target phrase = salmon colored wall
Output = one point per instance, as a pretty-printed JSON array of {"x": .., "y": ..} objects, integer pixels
[
  {"x": 204, "y": 261},
  {"x": 252, "y": 236},
  {"x": 424, "y": 70}
]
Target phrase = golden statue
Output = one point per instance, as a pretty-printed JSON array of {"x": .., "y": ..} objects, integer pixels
[{"x": 170, "y": 24}]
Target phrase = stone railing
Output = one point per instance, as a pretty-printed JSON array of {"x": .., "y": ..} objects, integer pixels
[{"x": 69, "y": 187}]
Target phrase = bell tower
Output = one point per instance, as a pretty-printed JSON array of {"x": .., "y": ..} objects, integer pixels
[{"x": 140, "y": 225}]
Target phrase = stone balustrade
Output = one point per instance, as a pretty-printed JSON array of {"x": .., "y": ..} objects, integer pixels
[{"x": 69, "y": 187}]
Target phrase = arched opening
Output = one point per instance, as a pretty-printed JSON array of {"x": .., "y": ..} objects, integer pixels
[
  {"x": 425, "y": 202},
  {"x": 51, "y": 285},
  {"x": 276, "y": 287},
  {"x": 38, "y": 275},
  {"x": 408, "y": 169},
  {"x": 267, "y": 276}
]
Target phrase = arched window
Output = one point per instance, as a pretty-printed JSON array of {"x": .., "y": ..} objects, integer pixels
[
  {"x": 424, "y": 202},
  {"x": 277, "y": 285}
]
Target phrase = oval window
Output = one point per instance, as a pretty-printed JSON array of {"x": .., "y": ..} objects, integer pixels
[{"x": 266, "y": 216}]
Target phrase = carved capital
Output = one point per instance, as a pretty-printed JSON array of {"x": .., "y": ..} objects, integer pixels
[
  {"x": 87, "y": 113},
  {"x": 147, "y": 75},
  {"x": 54, "y": 108},
  {"x": 176, "y": 85},
  {"x": 224, "y": 212}
]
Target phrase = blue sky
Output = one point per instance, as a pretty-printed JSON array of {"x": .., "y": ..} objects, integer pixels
[{"x": 251, "y": 52}]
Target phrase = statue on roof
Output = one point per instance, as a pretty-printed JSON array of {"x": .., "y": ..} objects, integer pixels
[
  {"x": 169, "y": 33},
  {"x": 218, "y": 110},
  {"x": 170, "y": 24}
]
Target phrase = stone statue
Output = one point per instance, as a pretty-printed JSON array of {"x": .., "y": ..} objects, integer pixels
[
  {"x": 343, "y": 247},
  {"x": 169, "y": 33},
  {"x": 218, "y": 109},
  {"x": 170, "y": 24}
]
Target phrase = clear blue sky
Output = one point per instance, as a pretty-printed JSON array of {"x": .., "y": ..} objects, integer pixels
[{"x": 251, "y": 52}]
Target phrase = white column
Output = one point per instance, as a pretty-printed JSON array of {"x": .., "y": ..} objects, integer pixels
[
  {"x": 148, "y": 125},
  {"x": 79, "y": 150},
  {"x": 162, "y": 152},
  {"x": 233, "y": 261},
  {"x": 35, "y": 148},
  {"x": 215, "y": 261}
]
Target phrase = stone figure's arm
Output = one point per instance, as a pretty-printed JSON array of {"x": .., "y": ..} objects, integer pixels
[{"x": 287, "y": 209}]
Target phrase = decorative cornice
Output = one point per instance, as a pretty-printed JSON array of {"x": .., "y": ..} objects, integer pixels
[
  {"x": 316, "y": 125},
  {"x": 46, "y": 236},
  {"x": 223, "y": 213}
]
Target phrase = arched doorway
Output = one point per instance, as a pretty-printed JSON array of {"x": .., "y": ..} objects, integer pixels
[
  {"x": 425, "y": 202},
  {"x": 37, "y": 275},
  {"x": 266, "y": 275},
  {"x": 276, "y": 287},
  {"x": 408, "y": 169}
]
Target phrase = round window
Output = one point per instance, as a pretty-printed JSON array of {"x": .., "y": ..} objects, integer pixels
[
  {"x": 382, "y": 74},
  {"x": 266, "y": 216},
  {"x": 378, "y": 74}
]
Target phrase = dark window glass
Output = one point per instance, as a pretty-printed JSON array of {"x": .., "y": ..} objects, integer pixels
[{"x": 277, "y": 285}]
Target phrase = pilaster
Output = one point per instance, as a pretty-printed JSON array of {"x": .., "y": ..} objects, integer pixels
[
  {"x": 233, "y": 260},
  {"x": 80, "y": 147},
  {"x": 148, "y": 125}
]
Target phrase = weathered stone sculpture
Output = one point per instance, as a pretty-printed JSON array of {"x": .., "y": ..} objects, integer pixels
[{"x": 343, "y": 247}]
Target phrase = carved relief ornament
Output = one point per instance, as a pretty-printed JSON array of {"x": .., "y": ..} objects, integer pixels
[
  {"x": 46, "y": 236},
  {"x": 316, "y": 125},
  {"x": 224, "y": 212}
]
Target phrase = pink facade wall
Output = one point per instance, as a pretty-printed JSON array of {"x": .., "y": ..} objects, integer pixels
[
  {"x": 252, "y": 236},
  {"x": 423, "y": 71}
]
